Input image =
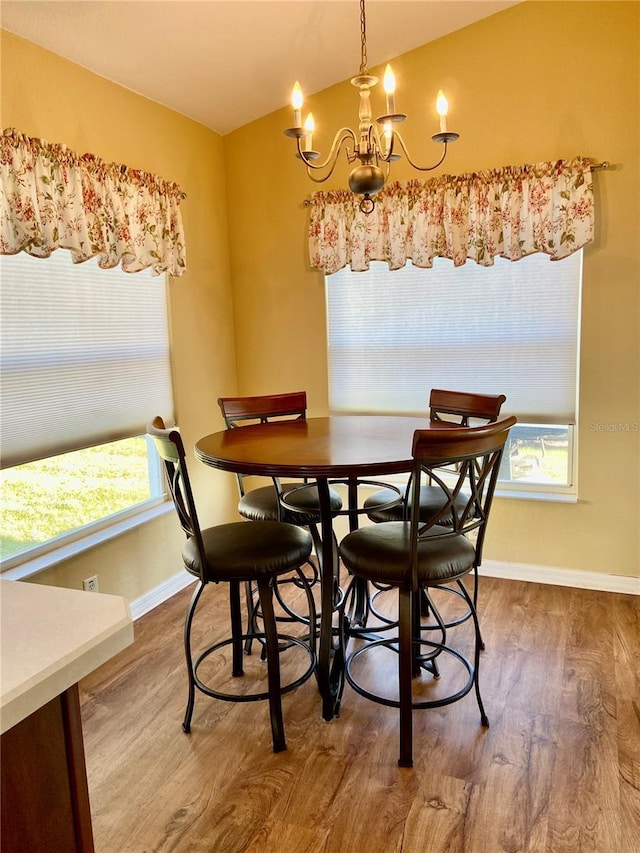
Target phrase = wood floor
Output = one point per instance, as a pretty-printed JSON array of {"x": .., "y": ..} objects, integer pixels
[{"x": 558, "y": 771}]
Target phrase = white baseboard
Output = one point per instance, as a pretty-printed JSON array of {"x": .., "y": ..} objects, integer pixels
[
  {"x": 160, "y": 594},
  {"x": 490, "y": 568},
  {"x": 561, "y": 577}
]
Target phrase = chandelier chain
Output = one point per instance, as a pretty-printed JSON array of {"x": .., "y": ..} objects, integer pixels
[{"x": 363, "y": 40}]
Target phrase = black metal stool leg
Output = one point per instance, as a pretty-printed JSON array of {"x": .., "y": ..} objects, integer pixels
[
  {"x": 248, "y": 593},
  {"x": 273, "y": 664},
  {"x": 405, "y": 672},
  {"x": 425, "y": 608},
  {"x": 478, "y": 646},
  {"x": 430, "y": 662},
  {"x": 475, "y": 602},
  {"x": 186, "y": 725},
  {"x": 416, "y": 613},
  {"x": 236, "y": 629}
]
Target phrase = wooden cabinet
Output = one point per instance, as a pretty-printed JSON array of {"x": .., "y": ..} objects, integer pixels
[
  {"x": 45, "y": 801},
  {"x": 51, "y": 638}
]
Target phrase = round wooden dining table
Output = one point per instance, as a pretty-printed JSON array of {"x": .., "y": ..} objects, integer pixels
[{"x": 345, "y": 448}]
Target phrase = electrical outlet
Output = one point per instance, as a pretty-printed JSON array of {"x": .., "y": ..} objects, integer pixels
[{"x": 90, "y": 584}]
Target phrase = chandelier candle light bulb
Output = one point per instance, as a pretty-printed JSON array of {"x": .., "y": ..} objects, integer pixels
[
  {"x": 309, "y": 127},
  {"x": 442, "y": 107},
  {"x": 297, "y": 100},
  {"x": 389, "y": 83}
]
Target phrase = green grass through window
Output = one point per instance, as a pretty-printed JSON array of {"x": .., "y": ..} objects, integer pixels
[{"x": 45, "y": 499}]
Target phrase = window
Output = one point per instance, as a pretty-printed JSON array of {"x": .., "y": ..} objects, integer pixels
[
  {"x": 85, "y": 364},
  {"x": 512, "y": 328}
]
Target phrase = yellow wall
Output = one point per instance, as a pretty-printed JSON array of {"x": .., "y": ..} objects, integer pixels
[
  {"x": 46, "y": 96},
  {"x": 536, "y": 82},
  {"x": 540, "y": 81}
]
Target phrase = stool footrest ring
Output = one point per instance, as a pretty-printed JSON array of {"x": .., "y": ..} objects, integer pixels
[
  {"x": 252, "y": 697},
  {"x": 391, "y": 643}
]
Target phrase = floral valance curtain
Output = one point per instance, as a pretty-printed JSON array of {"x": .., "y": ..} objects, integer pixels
[
  {"x": 511, "y": 212},
  {"x": 52, "y": 198}
]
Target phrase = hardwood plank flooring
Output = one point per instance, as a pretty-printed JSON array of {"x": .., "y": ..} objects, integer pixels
[{"x": 558, "y": 771}]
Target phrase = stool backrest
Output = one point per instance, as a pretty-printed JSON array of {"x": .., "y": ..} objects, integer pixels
[
  {"x": 472, "y": 457},
  {"x": 170, "y": 447},
  {"x": 245, "y": 411},
  {"x": 464, "y": 406},
  {"x": 241, "y": 411}
]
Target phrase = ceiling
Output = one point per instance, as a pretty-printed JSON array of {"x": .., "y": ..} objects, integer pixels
[{"x": 227, "y": 63}]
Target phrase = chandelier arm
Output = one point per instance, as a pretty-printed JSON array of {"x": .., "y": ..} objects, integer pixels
[
  {"x": 377, "y": 148},
  {"x": 320, "y": 179},
  {"x": 343, "y": 135},
  {"x": 415, "y": 165}
]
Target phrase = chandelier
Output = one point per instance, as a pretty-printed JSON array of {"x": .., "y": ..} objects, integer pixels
[{"x": 375, "y": 143}]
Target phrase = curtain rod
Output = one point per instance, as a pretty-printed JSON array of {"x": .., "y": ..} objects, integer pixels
[{"x": 605, "y": 164}]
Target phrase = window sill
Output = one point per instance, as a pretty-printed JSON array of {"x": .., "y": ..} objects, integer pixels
[
  {"x": 30, "y": 566},
  {"x": 534, "y": 495},
  {"x": 536, "y": 492}
]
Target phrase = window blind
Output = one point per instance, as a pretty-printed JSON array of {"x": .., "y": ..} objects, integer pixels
[
  {"x": 84, "y": 355},
  {"x": 507, "y": 329}
]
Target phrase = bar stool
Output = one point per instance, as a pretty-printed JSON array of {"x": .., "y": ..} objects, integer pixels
[
  {"x": 263, "y": 503},
  {"x": 460, "y": 407},
  {"x": 235, "y": 554},
  {"x": 416, "y": 555}
]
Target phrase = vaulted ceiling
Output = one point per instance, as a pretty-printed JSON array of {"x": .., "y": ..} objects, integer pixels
[{"x": 227, "y": 63}]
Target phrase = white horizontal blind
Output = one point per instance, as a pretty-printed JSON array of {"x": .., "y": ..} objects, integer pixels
[
  {"x": 85, "y": 355},
  {"x": 507, "y": 329}
]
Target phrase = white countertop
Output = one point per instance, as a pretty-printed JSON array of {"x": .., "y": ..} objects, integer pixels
[{"x": 50, "y": 639}]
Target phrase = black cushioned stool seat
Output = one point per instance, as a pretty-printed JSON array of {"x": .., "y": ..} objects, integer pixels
[
  {"x": 380, "y": 553},
  {"x": 262, "y": 504},
  {"x": 237, "y": 552},
  {"x": 432, "y": 501}
]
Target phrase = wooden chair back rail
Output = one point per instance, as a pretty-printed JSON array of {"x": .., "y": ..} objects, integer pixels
[
  {"x": 464, "y": 405},
  {"x": 263, "y": 408},
  {"x": 449, "y": 446}
]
